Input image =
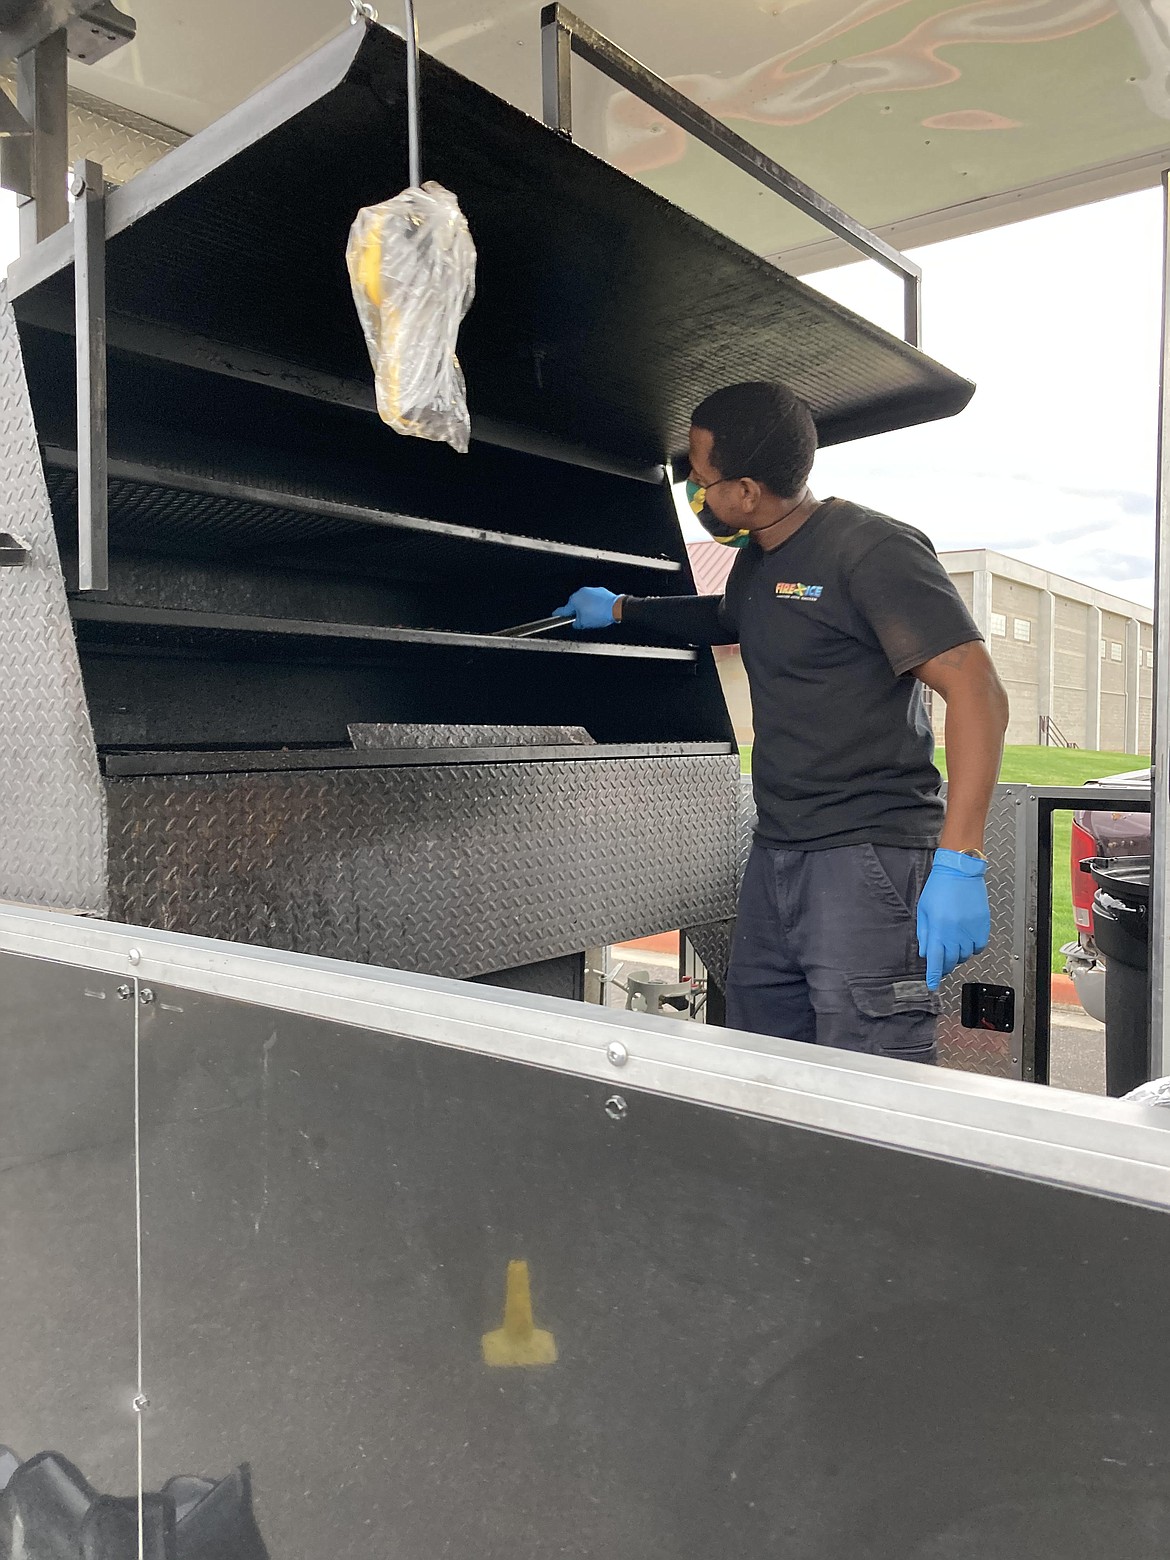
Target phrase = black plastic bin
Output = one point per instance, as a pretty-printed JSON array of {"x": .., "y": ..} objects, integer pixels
[{"x": 1121, "y": 920}]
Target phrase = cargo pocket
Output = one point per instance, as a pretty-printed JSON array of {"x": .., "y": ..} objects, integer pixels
[{"x": 898, "y": 1016}]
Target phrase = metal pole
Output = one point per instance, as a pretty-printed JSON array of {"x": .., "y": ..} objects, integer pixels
[
  {"x": 38, "y": 165},
  {"x": 414, "y": 131},
  {"x": 1160, "y": 745},
  {"x": 363, "y": 10},
  {"x": 89, "y": 279},
  {"x": 556, "y": 57},
  {"x": 912, "y": 308}
]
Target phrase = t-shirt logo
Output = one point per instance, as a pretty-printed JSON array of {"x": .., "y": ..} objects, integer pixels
[{"x": 792, "y": 592}]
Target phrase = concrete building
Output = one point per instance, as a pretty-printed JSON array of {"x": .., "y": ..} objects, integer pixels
[
  {"x": 1067, "y": 653},
  {"x": 1077, "y": 662}
]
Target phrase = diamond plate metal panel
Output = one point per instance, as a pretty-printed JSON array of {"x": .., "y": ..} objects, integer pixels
[
  {"x": 966, "y": 1050},
  {"x": 374, "y": 738},
  {"x": 455, "y": 870},
  {"x": 564, "y": 978},
  {"x": 52, "y": 824},
  {"x": 981, "y": 1050},
  {"x": 712, "y": 941},
  {"x": 123, "y": 142}
]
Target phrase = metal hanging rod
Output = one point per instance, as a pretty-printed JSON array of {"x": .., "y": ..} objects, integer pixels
[{"x": 365, "y": 12}]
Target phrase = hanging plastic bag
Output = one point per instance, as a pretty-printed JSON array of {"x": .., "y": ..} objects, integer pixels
[{"x": 412, "y": 266}]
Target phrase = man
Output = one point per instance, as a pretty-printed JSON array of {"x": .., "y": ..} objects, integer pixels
[{"x": 861, "y": 894}]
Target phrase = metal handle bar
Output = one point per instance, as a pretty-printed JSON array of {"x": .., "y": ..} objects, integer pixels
[{"x": 563, "y": 34}]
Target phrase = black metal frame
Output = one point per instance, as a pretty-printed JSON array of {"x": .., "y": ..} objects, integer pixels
[
  {"x": 563, "y": 34},
  {"x": 1043, "y": 803}
]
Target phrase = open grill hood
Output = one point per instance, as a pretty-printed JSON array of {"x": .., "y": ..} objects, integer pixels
[{"x": 603, "y": 313}]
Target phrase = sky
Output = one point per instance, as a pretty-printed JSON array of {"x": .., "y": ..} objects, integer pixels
[
  {"x": 1055, "y": 460},
  {"x": 1057, "y": 322}
]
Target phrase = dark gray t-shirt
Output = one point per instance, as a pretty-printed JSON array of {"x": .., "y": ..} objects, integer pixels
[{"x": 829, "y": 625}]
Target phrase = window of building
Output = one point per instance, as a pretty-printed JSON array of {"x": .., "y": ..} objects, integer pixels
[
  {"x": 1115, "y": 650},
  {"x": 1022, "y": 629},
  {"x": 999, "y": 625}
]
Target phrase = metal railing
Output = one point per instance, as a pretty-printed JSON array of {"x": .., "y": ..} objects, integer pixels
[
  {"x": 1052, "y": 736},
  {"x": 563, "y": 34}
]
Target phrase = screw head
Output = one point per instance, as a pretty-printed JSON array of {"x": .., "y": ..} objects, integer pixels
[
  {"x": 616, "y": 1108},
  {"x": 77, "y": 186},
  {"x": 146, "y": 996},
  {"x": 616, "y": 1054},
  {"x": 141, "y": 1402},
  {"x": 125, "y": 993},
  {"x": 134, "y": 956}
]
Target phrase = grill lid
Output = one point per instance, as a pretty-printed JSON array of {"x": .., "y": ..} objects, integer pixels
[{"x": 603, "y": 313}]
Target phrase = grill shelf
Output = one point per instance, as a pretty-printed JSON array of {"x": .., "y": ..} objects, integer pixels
[
  {"x": 163, "y": 511},
  {"x": 180, "y": 629}
]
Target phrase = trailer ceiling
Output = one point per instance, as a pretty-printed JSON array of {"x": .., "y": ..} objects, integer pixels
[{"x": 922, "y": 120}]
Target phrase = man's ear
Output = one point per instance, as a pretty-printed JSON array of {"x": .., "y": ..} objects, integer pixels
[{"x": 750, "y": 494}]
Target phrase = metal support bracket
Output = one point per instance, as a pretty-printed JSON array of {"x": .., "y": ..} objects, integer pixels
[
  {"x": 563, "y": 35},
  {"x": 13, "y": 553},
  {"x": 94, "y": 28},
  {"x": 89, "y": 254},
  {"x": 34, "y": 163},
  {"x": 13, "y": 125}
]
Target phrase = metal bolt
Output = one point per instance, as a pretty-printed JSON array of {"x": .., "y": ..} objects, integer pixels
[
  {"x": 134, "y": 956},
  {"x": 616, "y": 1108},
  {"x": 125, "y": 992},
  {"x": 146, "y": 996},
  {"x": 77, "y": 186},
  {"x": 616, "y": 1054},
  {"x": 141, "y": 1402}
]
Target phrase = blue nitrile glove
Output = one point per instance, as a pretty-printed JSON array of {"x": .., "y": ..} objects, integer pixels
[
  {"x": 954, "y": 918},
  {"x": 589, "y": 607}
]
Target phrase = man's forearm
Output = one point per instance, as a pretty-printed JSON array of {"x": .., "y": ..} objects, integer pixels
[
  {"x": 976, "y": 721},
  {"x": 695, "y": 620}
]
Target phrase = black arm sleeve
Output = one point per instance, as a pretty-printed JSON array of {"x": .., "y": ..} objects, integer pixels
[{"x": 696, "y": 620}]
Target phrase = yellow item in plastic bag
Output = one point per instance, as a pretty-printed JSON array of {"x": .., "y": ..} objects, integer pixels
[{"x": 412, "y": 268}]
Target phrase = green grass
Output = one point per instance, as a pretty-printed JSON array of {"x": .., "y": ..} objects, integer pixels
[{"x": 1046, "y": 766}]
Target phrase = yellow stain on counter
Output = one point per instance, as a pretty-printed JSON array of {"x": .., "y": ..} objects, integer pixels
[{"x": 519, "y": 1342}]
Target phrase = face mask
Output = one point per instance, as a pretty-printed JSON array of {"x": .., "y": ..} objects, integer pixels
[{"x": 697, "y": 499}]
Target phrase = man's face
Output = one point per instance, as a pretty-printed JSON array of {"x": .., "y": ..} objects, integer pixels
[{"x": 733, "y": 502}]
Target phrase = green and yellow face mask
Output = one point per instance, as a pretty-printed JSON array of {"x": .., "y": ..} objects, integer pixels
[{"x": 697, "y": 499}]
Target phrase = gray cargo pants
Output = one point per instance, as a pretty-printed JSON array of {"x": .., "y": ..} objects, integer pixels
[{"x": 826, "y": 950}]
